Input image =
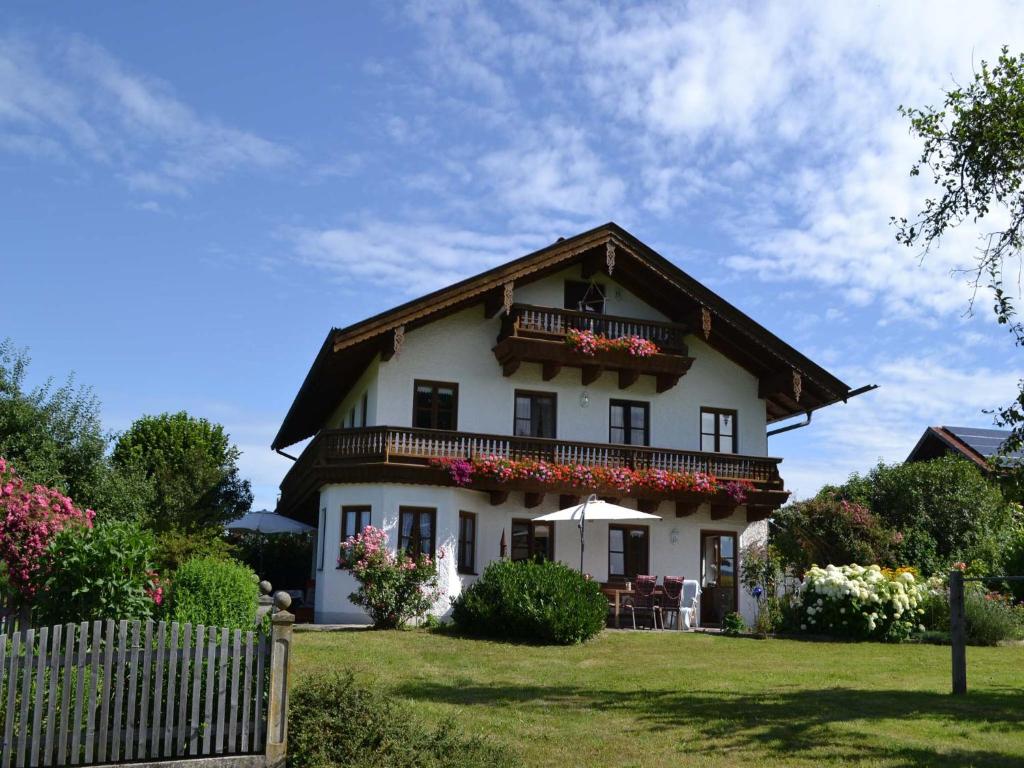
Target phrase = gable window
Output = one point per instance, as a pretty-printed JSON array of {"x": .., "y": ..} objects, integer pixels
[
  {"x": 718, "y": 430},
  {"x": 364, "y": 407},
  {"x": 353, "y": 520},
  {"x": 532, "y": 540},
  {"x": 629, "y": 422},
  {"x": 416, "y": 527},
  {"x": 627, "y": 551},
  {"x": 584, "y": 296},
  {"x": 535, "y": 414},
  {"x": 467, "y": 542},
  {"x": 435, "y": 405}
]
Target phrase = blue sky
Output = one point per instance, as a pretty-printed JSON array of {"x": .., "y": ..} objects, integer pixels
[{"x": 191, "y": 195}]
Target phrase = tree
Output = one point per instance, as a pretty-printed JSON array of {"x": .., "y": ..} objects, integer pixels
[
  {"x": 193, "y": 467},
  {"x": 974, "y": 150},
  {"x": 54, "y": 437}
]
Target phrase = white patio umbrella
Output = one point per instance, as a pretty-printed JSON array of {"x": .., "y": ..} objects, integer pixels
[
  {"x": 267, "y": 523},
  {"x": 593, "y": 508}
]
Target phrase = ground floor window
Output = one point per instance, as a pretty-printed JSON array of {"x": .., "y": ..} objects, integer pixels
[
  {"x": 416, "y": 530},
  {"x": 353, "y": 520},
  {"x": 467, "y": 542},
  {"x": 628, "y": 551},
  {"x": 531, "y": 539}
]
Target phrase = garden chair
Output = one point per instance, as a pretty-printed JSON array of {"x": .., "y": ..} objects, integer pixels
[
  {"x": 672, "y": 599},
  {"x": 690, "y": 602},
  {"x": 644, "y": 602}
]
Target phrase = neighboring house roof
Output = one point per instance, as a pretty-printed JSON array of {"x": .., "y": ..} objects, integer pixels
[
  {"x": 973, "y": 443},
  {"x": 347, "y": 351}
]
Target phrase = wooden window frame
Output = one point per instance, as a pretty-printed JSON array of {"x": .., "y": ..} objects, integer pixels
[
  {"x": 365, "y": 405},
  {"x": 533, "y": 525},
  {"x": 321, "y": 540},
  {"x": 468, "y": 568},
  {"x": 359, "y": 509},
  {"x": 717, "y": 433},
  {"x": 416, "y": 512},
  {"x": 627, "y": 430},
  {"x": 417, "y": 383},
  {"x": 625, "y": 528},
  {"x": 535, "y": 393}
]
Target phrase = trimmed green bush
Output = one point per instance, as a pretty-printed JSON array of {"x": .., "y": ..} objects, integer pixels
[
  {"x": 991, "y": 618},
  {"x": 103, "y": 572},
  {"x": 214, "y": 592},
  {"x": 538, "y": 601},
  {"x": 335, "y": 722}
]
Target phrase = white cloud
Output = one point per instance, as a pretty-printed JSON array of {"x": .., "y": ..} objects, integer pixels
[
  {"x": 410, "y": 259},
  {"x": 70, "y": 97}
]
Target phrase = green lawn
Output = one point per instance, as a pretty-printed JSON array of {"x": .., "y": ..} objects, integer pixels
[{"x": 672, "y": 699}]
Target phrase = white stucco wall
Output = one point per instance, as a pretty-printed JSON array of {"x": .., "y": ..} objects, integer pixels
[
  {"x": 679, "y": 558},
  {"x": 458, "y": 349}
]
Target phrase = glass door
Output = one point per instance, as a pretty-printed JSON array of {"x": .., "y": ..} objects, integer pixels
[{"x": 718, "y": 577}]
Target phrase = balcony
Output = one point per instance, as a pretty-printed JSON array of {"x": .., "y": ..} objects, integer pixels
[
  {"x": 531, "y": 334},
  {"x": 404, "y": 455}
]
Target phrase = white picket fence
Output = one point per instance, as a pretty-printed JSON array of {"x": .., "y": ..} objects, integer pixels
[{"x": 124, "y": 691}]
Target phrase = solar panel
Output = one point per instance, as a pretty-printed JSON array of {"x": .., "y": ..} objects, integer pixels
[{"x": 985, "y": 441}]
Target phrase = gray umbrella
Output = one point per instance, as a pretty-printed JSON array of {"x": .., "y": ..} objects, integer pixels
[{"x": 265, "y": 521}]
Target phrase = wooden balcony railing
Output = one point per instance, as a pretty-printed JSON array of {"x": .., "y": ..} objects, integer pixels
[
  {"x": 398, "y": 444},
  {"x": 552, "y": 322}
]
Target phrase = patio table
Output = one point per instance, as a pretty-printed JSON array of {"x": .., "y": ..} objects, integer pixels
[{"x": 616, "y": 593}]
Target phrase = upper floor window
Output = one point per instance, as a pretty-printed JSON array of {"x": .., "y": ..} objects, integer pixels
[
  {"x": 467, "y": 542},
  {"x": 435, "y": 405},
  {"x": 718, "y": 430},
  {"x": 584, "y": 296},
  {"x": 629, "y": 422},
  {"x": 416, "y": 527},
  {"x": 535, "y": 414}
]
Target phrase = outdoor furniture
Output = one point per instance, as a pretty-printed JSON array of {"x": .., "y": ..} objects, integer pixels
[
  {"x": 690, "y": 602},
  {"x": 643, "y": 602},
  {"x": 672, "y": 598}
]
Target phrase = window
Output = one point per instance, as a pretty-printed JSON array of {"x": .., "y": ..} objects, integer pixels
[
  {"x": 467, "y": 542},
  {"x": 627, "y": 551},
  {"x": 628, "y": 423},
  {"x": 435, "y": 405},
  {"x": 320, "y": 539},
  {"x": 583, "y": 296},
  {"x": 353, "y": 520},
  {"x": 365, "y": 408},
  {"x": 535, "y": 414},
  {"x": 351, "y": 420},
  {"x": 718, "y": 430},
  {"x": 532, "y": 540},
  {"x": 416, "y": 530}
]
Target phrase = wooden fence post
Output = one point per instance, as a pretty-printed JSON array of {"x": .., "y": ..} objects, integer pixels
[
  {"x": 277, "y": 708},
  {"x": 957, "y": 632}
]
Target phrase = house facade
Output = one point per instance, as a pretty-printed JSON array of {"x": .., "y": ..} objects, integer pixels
[{"x": 591, "y": 366}]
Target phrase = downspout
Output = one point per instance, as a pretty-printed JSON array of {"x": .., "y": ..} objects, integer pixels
[
  {"x": 790, "y": 427},
  {"x": 286, "y": 455}
]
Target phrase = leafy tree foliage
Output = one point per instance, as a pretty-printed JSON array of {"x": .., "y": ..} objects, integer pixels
[
  {"x": 193, "y": 467},
  {"x": 973, "y": 147}
]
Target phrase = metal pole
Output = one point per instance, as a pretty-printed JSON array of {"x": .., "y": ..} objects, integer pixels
[
  {"x": 582, "y": 523},
  {"x": 957, "y": 632}
]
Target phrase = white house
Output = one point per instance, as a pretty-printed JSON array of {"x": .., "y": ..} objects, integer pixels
[{"x": 484, "y": 368}]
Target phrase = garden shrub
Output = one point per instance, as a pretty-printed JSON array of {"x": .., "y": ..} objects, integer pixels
[
  {"x": 394, "y": 587},
  {"x": 733, "y": 625},
  {"x": 334, "y": 721},
  {"x": 103, "y": 572},
  {"x": 539, "y": 601},
  {"x": 990, "y": 617},
  {"x": 214, "y": 592},
  {"x": 174, "y": 547},
  {"x": 861, "y": 603}
]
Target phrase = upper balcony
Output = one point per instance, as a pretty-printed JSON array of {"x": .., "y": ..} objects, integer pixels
[
  {"x": 535, "y": 334},
  {"x": 407, "y": 455}
]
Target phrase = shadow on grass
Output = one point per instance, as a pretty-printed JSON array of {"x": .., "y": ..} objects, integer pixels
[{"x": 787, "y": 722}]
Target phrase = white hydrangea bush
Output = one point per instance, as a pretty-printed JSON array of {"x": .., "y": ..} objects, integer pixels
[{"x": 861, "y": 602}]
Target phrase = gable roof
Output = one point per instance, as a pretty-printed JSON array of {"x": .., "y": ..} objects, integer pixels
[
  {"x": 346, "y": 352},
  {"x": 974, "y": 443}
]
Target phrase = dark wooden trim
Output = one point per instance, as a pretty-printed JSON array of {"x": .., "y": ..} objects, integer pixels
[
  {"x": 649, "y": 506},
  {"x": 589, "y": 374},
  {"x": 532, "y": 499},
  {"x": 454, "y": 385},
  {"x": 756, "y": 513},
  {"x": 665, "y": 381},
  {"x": 735, "y": 427},
  {"x": 416, "y": 512},
  {"x": 494, "y": 302},
  {"x": 686, "y": 508},
  {"x": 566, "y": 500},
  {"x": 720, "y": 511},
  {"x": 550, "y": 369},
  {"x": 627, "y": 405},
  {"x": 628, "y": 378},
  {"x": 498, "y": 497},
  {"x": 590, "y": 265}
]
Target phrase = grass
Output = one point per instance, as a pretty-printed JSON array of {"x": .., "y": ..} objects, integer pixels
[{"x": 670, "y": 699}]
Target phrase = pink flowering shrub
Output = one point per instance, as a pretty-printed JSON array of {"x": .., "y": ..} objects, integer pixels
[
  {"x": 589, "y": 343},
  {"x": 29, "y": 518},
  {"x": 394, "y": 587},
  {"x": 623, "y": 479}
]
